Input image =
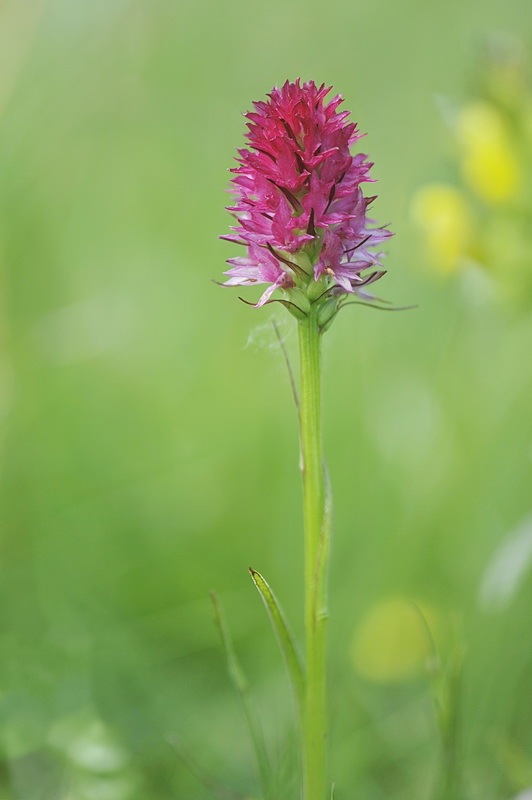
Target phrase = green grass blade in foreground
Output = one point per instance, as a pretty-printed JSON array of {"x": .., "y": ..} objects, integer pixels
[
  {"x": 445, "y": 680},
  {"x": 241, "y": 685},
  {"x": 284, "y": 637},
  {"x": 447, "y": 690},
  {"x": 208, "y": 781}
]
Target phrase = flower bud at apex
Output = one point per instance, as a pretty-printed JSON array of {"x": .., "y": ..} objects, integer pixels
[{"x": 299, "y": 207}]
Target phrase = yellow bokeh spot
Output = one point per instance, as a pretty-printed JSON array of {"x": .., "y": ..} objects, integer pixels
[
  {"x": 392, "y": 642},
  {"x": 489, "y": 163},
  {"x": 480, "y": 123},
  {"x": 444, "y": 217}
]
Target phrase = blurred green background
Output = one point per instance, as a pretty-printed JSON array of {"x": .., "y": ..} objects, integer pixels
[{"x": 149, "y": 446}]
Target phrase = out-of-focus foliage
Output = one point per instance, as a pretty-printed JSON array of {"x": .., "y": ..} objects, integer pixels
[
  {"x": 148, "y": 442},
  {"x": 484, "y": 217}
]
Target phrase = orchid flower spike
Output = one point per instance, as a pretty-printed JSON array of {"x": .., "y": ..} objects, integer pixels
[{"x": 299, "y": 207}]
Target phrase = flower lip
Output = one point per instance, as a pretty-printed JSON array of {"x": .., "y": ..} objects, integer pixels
[{"x": 298, "y": 196}]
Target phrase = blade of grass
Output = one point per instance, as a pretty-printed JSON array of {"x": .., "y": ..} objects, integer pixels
[
  {"x": 286, "y": 357},
  {"x": 284, "y": 637},
  {"x": 445, "y": 681},
  {"x": 210, "y": 783},
  {"x": 241, "y": 685}
]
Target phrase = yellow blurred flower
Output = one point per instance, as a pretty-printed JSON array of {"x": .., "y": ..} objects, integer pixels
[
  {"x": 445, "y": 219},
  {"x": 489, "y": 164},
  {"x": 484, "y": 219},
  {"x": 392, "y": 642}
]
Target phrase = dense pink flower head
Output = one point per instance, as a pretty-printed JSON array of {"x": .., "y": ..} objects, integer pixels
[{"x": 299, "y": 206}]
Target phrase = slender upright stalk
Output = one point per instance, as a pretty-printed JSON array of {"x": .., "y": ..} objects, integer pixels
[
  {"x": 301, "y": 215},
  {"x": 316, "y": 546}
]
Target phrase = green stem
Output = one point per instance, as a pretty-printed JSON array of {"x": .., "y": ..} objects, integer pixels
[{"x": 316, "y": 547}]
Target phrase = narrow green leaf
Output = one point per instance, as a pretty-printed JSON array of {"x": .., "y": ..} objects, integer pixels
[
  {"x": 286, "y": 357},
  {"x": 241, "y": 685},
  {"x": 284, "y": 637}
]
